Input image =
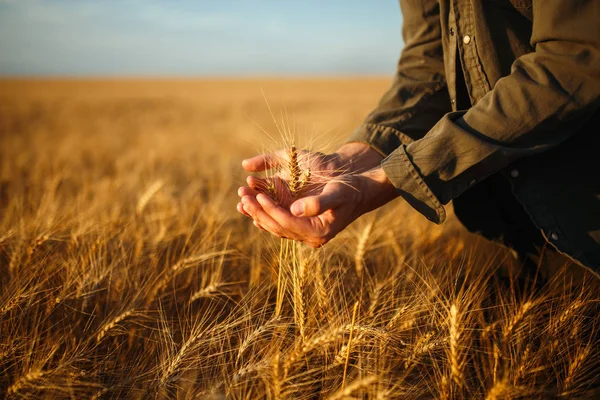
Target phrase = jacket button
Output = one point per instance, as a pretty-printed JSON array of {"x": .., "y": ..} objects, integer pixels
[
  {"x": 554, "y": 236},
  {"x": 466, "y": 39},
  {"x": 451, "y": 31},
  {"x": 514, "y": 173}
]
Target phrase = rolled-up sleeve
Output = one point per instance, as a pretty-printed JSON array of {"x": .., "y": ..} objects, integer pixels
[{"x": 548, "y": 96}]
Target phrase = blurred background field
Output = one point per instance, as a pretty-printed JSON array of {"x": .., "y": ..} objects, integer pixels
[{"x": 125, "y": 271}]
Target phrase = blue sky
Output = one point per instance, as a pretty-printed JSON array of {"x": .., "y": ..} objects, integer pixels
[{"x": 199, "y": 37}]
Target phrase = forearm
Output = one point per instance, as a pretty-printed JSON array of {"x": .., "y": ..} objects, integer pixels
[{"x": 357, "y": 157}]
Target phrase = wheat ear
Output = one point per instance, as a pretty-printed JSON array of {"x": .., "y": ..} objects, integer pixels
[
  {"x": 497, "y": 391},
  {"x": 574, "y": 367},
  {"x": 311, "y": 344},
  {"x": 294, "y": 170},
  {"x": 361, "y": 248},
  {"x": 347, "y": 392},
  {"x": 516, "y": 318},
  {"x": 147, "y": 196},
  {"x": 322, "y": 295},
  {"x": 31, "y": 376},
  {"x": 254, "y": 334},
  {"x": 455, "y": 364},
  {"x": 111, "y": 324}
]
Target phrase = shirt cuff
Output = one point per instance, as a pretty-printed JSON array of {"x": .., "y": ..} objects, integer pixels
[
  {"x": 410, "y": 185},
  {"x": 383, "y": 139}
]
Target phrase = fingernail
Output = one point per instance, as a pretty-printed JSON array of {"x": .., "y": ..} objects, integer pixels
[
  {"x": 298, "y": 208},
  {"x": 261, "y": 199}
]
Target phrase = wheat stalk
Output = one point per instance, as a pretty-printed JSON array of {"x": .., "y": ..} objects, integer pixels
[
  {"x": 299, "y": 293},
  {"x": 349, "y": 344}
]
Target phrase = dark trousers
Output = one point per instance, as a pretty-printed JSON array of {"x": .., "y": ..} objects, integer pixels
[{"x": 491, "y": 210}]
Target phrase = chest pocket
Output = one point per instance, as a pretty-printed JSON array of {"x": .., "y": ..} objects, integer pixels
[{"x": 518, "y": 4}]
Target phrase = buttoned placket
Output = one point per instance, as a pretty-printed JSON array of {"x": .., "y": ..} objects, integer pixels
[
  {"x": 451, "y": 70},
  {"x": 475, "y": 80}
]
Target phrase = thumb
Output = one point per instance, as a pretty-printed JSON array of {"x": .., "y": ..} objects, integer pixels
[
  {"x": 330, "y": 198},
  {"x": 261, "y": 162}
]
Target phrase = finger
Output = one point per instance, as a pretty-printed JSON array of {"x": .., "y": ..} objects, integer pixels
[
  {"x": 258, "y": 184},
  {"x": 275, "y": 187},
  {"x": 332, "y": 196},
  {"x": 240, "y": 209},
  {"x": 262, "y": 162},
  {"x": 296, "y": 227},
  {"x": 259, "y": 226},
  {"x": 252, "y": 207},
  {"x": 246, "y": 191}
]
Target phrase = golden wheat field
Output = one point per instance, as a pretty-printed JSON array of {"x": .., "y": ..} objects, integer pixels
[{"x": 125, "y": 271}]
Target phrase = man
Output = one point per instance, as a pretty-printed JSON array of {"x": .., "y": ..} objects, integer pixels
[{"x": 495, "y": 105}]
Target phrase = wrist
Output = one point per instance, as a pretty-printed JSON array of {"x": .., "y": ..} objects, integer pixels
[
  {"x": 357, "y": 157},
  {"x": 376, "y": 188}
]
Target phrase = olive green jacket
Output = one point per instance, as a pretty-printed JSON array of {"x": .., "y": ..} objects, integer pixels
[{"x": 531, "y": 70}]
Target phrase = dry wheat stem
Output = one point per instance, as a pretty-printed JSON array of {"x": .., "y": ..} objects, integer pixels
[
  {"x": 299, "y": 292},
  {"x": 349, "y": 345},
  {"x": 280, "y": 277}
]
